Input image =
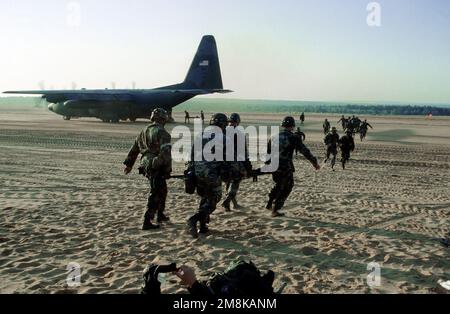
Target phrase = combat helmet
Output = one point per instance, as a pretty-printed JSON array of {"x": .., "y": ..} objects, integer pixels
[
  {"x": 220, "y": 120},
  {"x": 159, "y": 115},
  {"x": 235, "y": 117},
  {"x": 288, "y": 122}
]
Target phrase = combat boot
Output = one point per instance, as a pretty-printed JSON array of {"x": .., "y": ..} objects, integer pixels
[
  {"x": 275, "y": 213},
  {"x": 226, "y": 205},
  {"x": 269, "y": 204},
  {"x": 235, "y": 204},
  {"x": 162, "y": 218},
  {"x": 192, "y": 226},
  {"x": 147, "y": 225},
  {"x": 203, "y": 229}
]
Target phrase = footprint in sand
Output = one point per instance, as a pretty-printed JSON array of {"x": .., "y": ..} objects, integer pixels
[
  {"x": 100, "y": 271},
  {"x": 308, "y": 251}
]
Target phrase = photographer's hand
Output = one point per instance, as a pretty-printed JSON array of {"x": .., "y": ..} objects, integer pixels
[{"x": 187, "y": 275}]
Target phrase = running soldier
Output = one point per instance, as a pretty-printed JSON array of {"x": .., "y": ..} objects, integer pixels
[
  {"x": 302, "y": 138},
  {"x": 347, "y": 145},
  {"x": 153, "y": 143},
  {"x": 240, "y": 167},
  {"x": 208, "y": 175},
  {"x": 331, "y": 141},
  {"x": 302, "y": 118},
  {"x": 363, "y": 129},
  {"x": 283, "y": 177},
  {"x": 343, "y": 122},
  {"x": 357, "y": 124},
  {"x": 350, "y": 125},
  {"x": 326, "y": 126}
]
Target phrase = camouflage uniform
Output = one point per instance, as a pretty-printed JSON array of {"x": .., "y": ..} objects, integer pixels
[
  {"x": 236, "y": 169},
  {"x": 153, "y": 143},
  {"x": 363, "y": 129},
  {"x": 284, "y": 176},
  {"x": 343, "y": 122},
  {"x": 331, "y": 140},
  {"x": 347, "y": 144},
  {"x": 209, "y": 184},
  {"x": 326, "y": 126}
]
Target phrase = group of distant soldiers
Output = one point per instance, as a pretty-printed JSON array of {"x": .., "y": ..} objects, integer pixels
[
  {"x": 187, "y": 116},
  {"x": 355, "y": 125},
  {"x": 153, "y": 144},
  {"x": 346, "y": 143}
]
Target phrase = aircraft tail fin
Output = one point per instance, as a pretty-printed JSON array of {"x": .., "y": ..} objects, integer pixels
[{"x": 204, "y": 72}]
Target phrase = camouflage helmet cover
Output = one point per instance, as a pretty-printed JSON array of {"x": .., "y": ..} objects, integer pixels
[
  {"x": 235, "y": 117},
  {"x": 288, "y": 122},
  {"x": 219, "y": 119},
  {"x": 159, "y": 115}
]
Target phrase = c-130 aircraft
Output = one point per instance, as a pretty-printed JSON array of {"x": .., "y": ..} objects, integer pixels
[{"x": 203, "y": 78}]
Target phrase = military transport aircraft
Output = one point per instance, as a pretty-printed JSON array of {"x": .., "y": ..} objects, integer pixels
[{"x": 203, "y": 77}]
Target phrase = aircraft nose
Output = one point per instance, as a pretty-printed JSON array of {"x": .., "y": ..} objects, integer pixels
[{"x": 50, "y": 107}]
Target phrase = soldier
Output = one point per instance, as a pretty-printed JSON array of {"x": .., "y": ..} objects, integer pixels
[
  {"x": 238, "y": 169},
  {"x": 208, "y": 177},
  {"x": 302, "y": 118},
  {"x": 202, "y": 116},
  {"x": 347, "y": 145},
  {"x": 153, "y": 143},
  {"x": 357, "y": 124},
  {"x": 283, "y": 177},
  {"x": 326, "y": 127},
  {"x": 363, "y": 129},
  {"x": 302, "y": 137},
  {"x": 187, "y": 117},
  {"x": 343, "y": 122},
  {"x": 332, "y": 141},
  {"x": 350, "y": 125}
]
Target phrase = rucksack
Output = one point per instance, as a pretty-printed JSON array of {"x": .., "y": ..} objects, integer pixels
[{"x": 242, "y": 279}]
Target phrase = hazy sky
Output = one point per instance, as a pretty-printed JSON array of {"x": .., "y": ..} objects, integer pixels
[{"x": 291, "y": 49}]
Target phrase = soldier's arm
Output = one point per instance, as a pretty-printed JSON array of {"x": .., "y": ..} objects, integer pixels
[
  {"x": 132, "y": 155},
  {"x": 269, "y": 151},
  {"x": 308, "y": 155}
]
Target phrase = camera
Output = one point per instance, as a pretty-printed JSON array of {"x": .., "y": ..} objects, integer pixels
[{"x": 151, "y": 284}]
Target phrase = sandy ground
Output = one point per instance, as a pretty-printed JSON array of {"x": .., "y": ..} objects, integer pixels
[{"x": 63, "y": 198}]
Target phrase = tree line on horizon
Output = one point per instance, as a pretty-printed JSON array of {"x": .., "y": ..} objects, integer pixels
[
  {"x": 345, "y": 109},
  {"x": 230, "y": 105}
]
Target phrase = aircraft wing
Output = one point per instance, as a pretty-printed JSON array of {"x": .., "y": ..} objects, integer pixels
[
  {"x": 124, "y": 95},
  {"x": 202, "y": 91},
  {"x": 105, "y": 95}
]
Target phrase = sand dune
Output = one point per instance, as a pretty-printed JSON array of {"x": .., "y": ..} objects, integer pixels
[{"x": 63, "y": 198}]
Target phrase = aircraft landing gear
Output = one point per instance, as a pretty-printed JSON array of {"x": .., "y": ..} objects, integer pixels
[
  {"x": 66, "y": 118},
  {"x": 133, "y": 119},
  {"x": 114, "y": 120}
]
